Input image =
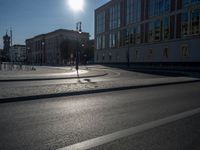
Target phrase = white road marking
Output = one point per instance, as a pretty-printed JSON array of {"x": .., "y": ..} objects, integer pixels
[{"x": 130, "y": 131}]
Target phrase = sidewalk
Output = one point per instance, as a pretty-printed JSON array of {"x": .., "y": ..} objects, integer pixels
[
  {"x": 49, "y": 73},
  {"x": 84, "y": 87}
]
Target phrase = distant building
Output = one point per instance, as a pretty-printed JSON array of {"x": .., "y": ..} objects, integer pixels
[
  {"x": 90, "y": 52},
  {"x": 148, "y": 31},
  {"x": 17, "y": 53},
  {"x": 6, "y": 47},
  {"x": 56, "y": 48},
  {"x": 1, "y": 51}
]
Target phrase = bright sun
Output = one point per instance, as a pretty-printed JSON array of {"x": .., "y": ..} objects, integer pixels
[{"x": 76, "y": 5}]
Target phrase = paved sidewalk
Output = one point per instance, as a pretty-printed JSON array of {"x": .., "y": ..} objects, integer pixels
[
  {"x": 50, "y": 73},
  {"x": 84, "y": 87}
]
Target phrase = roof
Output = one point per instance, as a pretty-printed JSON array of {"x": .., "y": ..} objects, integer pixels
[
  {"x": 103, "y": 6},
  {"x": 56, "y": 31}
]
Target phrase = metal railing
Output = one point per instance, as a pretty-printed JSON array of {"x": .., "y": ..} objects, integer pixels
[{"x": 10, "y": 66}]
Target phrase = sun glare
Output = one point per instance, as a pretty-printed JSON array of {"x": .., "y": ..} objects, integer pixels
[{"x": 76, "y": 5}]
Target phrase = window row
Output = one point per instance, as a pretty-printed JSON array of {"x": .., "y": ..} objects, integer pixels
[
  {"x": 133, "y": 12},
  {"x": 165, "y": 52},
  {"x": 188, "y": 2},
  {"x": 156, "y": 30},
  {"x": 150, "y": 54}
]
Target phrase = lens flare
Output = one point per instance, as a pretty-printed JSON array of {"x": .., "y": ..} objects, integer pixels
[{"x": 76, "y": 5}]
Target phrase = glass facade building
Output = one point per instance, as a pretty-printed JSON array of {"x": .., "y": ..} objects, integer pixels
[{"x": 147, "y": 31}]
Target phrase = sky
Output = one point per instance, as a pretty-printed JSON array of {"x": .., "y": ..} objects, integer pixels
[{"x": 29, "y": 18}]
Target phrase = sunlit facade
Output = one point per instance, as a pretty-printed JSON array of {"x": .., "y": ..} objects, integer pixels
[{"x": 148, "y": 31}]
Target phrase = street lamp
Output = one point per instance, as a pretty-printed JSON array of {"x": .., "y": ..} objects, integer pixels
[
  {"x": 128, "y": 50},
  {"x": 79, "y": 30},
  {"x": 43, "y": 53}
]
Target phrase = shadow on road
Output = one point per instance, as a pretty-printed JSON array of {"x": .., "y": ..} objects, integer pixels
[{"x": 163, "y": 71}]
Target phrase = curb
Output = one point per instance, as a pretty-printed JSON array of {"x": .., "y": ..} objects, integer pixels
[
  {"x": 36, "y": 97},
  {"x": 58, "y": 78},
  {"x": 174, "y": 72}
]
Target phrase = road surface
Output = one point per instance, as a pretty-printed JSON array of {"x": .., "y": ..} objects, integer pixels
[{"x": 59, "y": 122}]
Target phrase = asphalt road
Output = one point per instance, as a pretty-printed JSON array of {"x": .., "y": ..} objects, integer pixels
[{"x": 59, "y": 122}]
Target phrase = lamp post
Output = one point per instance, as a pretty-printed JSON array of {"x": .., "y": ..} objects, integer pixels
[
  {"x": 79, "y": 31},
  {"x": 43, "y": 53},
  {"x": 128, "y": 50}
]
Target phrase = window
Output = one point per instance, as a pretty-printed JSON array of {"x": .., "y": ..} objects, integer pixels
[
  {"x": 110, "y": 56},
  {"x": 117, "y": 56},
  {"x": 103, "y": 57},
  {"x": 151, "y": 32},
  {"x": 97, "y": 57},
  {"x": 158, "y": 7},
  {"x": 166, "y": 30},
  {"x": 154, "y": 30},
  {"x": 151, "y": 7},
  {"x": 114, "y": 39},
  {"x": 133, "y": 11},
  {"x": 167, "y": 5},
  {"x": 188, "y": 2},
  {"x": 195, "y": 1},
  {"x": 103, "y": 42},
  {"x": 166, "y": 52},
  {"x": 195, "y": 22},
  {"x": 100, "y": 22},
  {"x": 184, "y": 24},
  {"x": 100, "y": 42},
  {"x": 157, "y": 30},
  {"x": 137, "y": 34},
  {"x": 150, "y": 55},
  {"x": 184, "y": 51},
  {"x": 136, "y": 54},
  {"x": 130, "y": 36},
  {"x": 114, "y": 13},
  {"x": 123, "y": 37}
]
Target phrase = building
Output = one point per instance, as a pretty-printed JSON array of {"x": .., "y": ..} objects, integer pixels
[
  {"x": 148, "y": 32},
  {"x": 1, "y": 50},
  {"x": 56, "y": 48},
  {"x": 17, "y": 53},
  {"x": 90, "y": 52},
  {"x": 6, "y": 47}
]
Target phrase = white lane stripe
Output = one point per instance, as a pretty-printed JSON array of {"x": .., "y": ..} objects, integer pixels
[{"x": 130, "y": 131}]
